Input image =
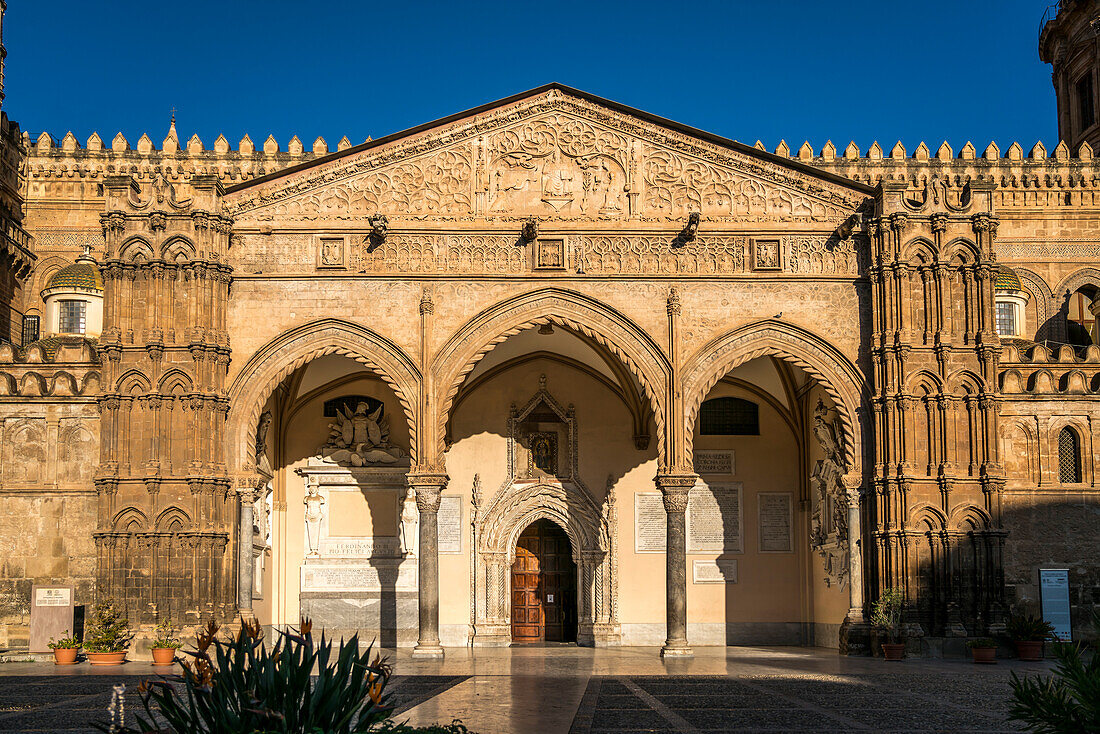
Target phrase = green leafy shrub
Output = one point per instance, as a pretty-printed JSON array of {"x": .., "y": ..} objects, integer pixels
[
  {"x": 886, "y": 613},
  {"x": 65, "y": 643},
  {"x": 166, "y": 636},
  {"x": 238, "y": 684},
  {"x": 109, "y": 631},
  {"x": 1066, "y": 702},
  {"x": 981, "y": 642},
  {"x": 455, "y": 727},
  {"x": 1028, "y": 628}
]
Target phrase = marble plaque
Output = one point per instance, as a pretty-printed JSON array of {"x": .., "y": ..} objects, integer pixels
[
  {"x": 775, "y": 514},
  {"x": 450, "y": 524},
  {"x": 713, "y": 462},
  {"x": 360, "y": 547},
  {"x": 714, "y": 518},
  {"x": 714, "y": 572},
  {"x": 649, "y": 523},
  {"x": 359, "y": 577}
]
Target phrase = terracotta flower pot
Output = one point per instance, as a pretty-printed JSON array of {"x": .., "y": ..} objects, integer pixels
[
  {"x": 65, "y": 655},
  {"x": 987, "y": 655},
  {"x": 107, "y": 658},
  {"x": 1029, "y": 650},
  {"x": 893, "y": 650},
  {"x": 164, "y": 655}
]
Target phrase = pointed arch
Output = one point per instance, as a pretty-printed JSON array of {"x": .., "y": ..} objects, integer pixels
[
  {"x": 177, "y": 249},
  {"x": 276, "y": 360},
  {"x": 919, "y": 251},
  {"x": 133, "y": 382},
  {"x": 175, "y": 382},
  {"x": 970, "y": 518},
  {"x": 926, "y": 379},
  {"x": 967, "y": 381},
  {"x": 928, "y": 515},
  {"x": 837, "y": 375},
  {"x": 960, "y": 251},
  {"x": 130, "y": 520},
  {"x": 173, "y": 519},
  {"x": 1077, "y": 280},
  {"x": 569, "y": 309},
  {"x": 135, "y": 249}
]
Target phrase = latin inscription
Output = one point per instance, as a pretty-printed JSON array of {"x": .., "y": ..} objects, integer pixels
[
  {"x": 649, "y": 523},
  {"x": 450, "y": 524},
  {"x": 709, "y": 462},
  {"x": 359, "y": 578},
  {"x": 714, "y": 572},
  {"x": 714, "y": 518},
  {"x": 774, "y": 511}
]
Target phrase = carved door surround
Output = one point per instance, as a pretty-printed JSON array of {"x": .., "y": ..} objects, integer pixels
[{"x": 530, "y": 494}]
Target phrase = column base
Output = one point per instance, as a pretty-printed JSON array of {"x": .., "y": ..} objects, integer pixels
[
  {"x": 427, "y": 652},
  {"x": 677, "y": 649}
]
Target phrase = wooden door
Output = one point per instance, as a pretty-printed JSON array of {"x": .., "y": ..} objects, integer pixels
[{"x": 543, "y": 586}]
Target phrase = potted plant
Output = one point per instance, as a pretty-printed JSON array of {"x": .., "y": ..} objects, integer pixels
[
  {"x": 886, "y": 617},
  {"x": 165, "y": 644},
  {"x": 983, "y": 649},
  {"x": 65, "y": 649},
  {"x": 108, "y": 637},
  {"x": 1028, "y": 633}
]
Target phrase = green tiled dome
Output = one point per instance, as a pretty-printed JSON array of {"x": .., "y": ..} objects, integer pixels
[
  {"x": 84, "y": 275},
  {"x": 1006, "y": 280}
]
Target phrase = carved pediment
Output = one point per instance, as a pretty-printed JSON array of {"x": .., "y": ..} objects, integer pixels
[{"x": 556, "y": 154}]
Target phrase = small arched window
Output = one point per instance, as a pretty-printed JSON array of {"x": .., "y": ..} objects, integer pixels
[
  {"x": 1069, "y": 456},
  {"x": 729, "y": 417}
]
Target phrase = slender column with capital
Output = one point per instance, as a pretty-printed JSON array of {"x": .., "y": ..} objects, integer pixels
[
  {"x": 246, "y": 495},
  {"x": 674, "y": 491},
  {"x": 428, "y": 488}
]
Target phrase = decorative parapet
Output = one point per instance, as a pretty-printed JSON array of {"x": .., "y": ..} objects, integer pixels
[
  {"x": 1040, "y": 371},
  {"x": 70, "y": 367}
]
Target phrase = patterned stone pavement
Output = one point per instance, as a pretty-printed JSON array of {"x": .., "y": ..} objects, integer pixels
[{"x": 612, "y": 691}]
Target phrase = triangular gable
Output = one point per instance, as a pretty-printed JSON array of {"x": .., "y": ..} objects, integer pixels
[{"x": 555, "y": 153}]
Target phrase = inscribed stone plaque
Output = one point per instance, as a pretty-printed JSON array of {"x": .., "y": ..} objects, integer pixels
[
  {"x": 359, "y": 578},
  {"x": 450, "y": 524},
  {"x": 774, "y": 510},
  {"x": 714, "y": 572},
  {"x": 649, "y": 523},
  {"x": 714, "y": 462},
  {"x": 714, "y": 518}
]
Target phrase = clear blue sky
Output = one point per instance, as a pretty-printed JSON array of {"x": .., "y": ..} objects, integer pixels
[{"x": 919, "y": 70}]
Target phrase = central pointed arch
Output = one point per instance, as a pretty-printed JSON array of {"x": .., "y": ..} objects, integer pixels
[
  {"x": 272, "y": 363},
  {"x": 569, "y": 309}
]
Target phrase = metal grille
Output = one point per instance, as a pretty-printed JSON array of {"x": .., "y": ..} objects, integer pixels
[
  {"x": 729, "y": 417},
  {"x": 30, "y": 329},
  {"x": 1006, "y": 319},
  {"x": 1069, "y": 457},
  {"x": 72, "y": 317}
]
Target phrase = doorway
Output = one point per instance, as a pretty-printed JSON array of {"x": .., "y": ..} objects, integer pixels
[{"x": 544, "y": 582}]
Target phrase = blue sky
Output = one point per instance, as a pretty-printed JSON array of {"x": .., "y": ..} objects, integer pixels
[{"x": 929, "y": 70}]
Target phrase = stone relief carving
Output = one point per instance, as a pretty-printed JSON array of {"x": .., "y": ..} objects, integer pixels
[
  {"x": 360, "y": 438},
  {"x": 820, "y": 256},
  {"x": 76, "y": 452},
  {"x": 26, "y": 450},
  {"x": 410, "y": 518},
  {"x": 829, "y": 518},
  {"x": 652, "y": 254},
  {"x": 314, "y": 503}
]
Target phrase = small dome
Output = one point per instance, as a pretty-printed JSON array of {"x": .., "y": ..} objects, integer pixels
[
  {"x": 1005, "y": 279},
  {"x": 83, "y": 275}
]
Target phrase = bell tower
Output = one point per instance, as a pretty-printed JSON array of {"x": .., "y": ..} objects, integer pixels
[{"x": 1069, "y": 40}]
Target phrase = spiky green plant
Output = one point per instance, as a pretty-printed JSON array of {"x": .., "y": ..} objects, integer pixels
[
  {"x": 1067, "y": 701},
  {"x": 240, "y": 685}
]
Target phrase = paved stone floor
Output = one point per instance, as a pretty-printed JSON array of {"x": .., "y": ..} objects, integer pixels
[{"x": 621, "y": 691}]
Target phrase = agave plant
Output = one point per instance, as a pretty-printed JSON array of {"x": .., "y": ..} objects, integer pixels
[{"x": 237, "y": 684}]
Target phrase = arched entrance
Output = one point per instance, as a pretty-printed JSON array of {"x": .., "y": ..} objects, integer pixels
[{"x": 544, "y": 583}]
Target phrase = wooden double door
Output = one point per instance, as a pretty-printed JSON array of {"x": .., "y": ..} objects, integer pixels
[{"x": 544, "y": 583}]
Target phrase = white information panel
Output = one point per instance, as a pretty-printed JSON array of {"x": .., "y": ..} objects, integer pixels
[
  {"x": 775, "y": 514},
  {"x": 55, "y": 597},
  {"x": 450, "y": 524},
  {"x": 714, "y": 522},
  {"x": 1054, "y": 595},
  {"x": 649, "y": 523}
]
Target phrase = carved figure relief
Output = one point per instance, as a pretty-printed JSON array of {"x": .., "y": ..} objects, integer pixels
[
  {"x": 829, "y": 518},
  {"x": 765, "y": 254},
  {"x": 410, "y": 518},
  {"x": 314, "y": 503},
  {"x": 360, "y": 438}
]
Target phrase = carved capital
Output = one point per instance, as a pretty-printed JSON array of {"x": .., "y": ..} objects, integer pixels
[
  {"x": 427, "y": 487},
  {"x": 674, "y": 305},
  {"x": 939, "y": 222},
  {"x": 427, "y": 306},
  {"x": 674, "y": 490},
  {"x": 899, "y": 221}
]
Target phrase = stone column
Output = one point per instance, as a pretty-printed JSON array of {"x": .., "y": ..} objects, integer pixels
[
  {"x": 855, "y": 554},
  {"x": 245, "y": 495},
  {"x": 674, "y": 490},
  {"x": 428, "y": 488}
]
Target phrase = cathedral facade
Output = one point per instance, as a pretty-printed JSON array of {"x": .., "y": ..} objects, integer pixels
[{"x": 555, "y": 369}]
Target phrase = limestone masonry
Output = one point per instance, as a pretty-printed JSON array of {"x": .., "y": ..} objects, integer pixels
[{"x": 555, "y": 369}]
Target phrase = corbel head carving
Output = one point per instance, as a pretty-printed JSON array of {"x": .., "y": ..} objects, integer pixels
[
  {"x": 687, "y": 234},
  {"x": 530, "y": 231},
  {"x": 379, "y": 227}
]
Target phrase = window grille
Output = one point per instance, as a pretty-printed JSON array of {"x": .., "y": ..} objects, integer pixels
[
  {"x": 72, "y": 317},
  {"x": 1069, "y": 456},
  {"x": 729, "y": 417},
  {"x": 30, "y": 329},
  {"x": 1006, "y": 319}
]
